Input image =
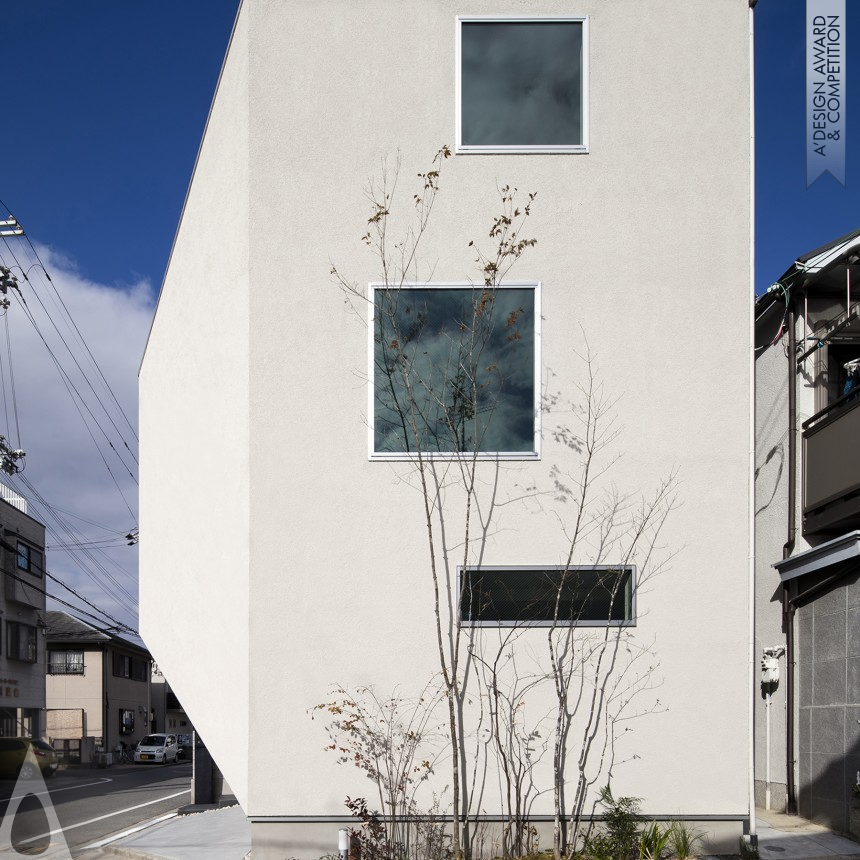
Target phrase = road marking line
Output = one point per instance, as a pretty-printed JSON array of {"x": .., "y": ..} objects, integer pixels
[
  {"x": 103, "y": 817},
  {"x": 47, "y": 790},
  {"x": 130, "y": 832}
]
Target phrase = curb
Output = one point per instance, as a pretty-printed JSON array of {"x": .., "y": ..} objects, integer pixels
[
  {"x": 107, "y": 847},
  {"x": 131, "y": 852}
]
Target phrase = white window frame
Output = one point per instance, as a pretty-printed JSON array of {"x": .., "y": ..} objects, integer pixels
[
  {"x": 462, "y": 149},
  {"x": 561, "y": 622},
  {"x": 534, "y": 454}
]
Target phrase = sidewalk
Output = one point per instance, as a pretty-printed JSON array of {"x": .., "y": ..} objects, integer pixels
[
  {"x": 217, "y": 834},
  {"x": 224, "y": 834},
  {"x": 789, "y": 837}
]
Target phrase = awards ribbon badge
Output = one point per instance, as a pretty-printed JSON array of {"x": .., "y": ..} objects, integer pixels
[{"x": 825, "y": 89}]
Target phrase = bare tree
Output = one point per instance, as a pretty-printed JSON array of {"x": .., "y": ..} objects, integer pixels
[
  {"x": 442, "y": 407},
  {"x": 598, "y": 672},
  {"x": 395, "y": 742},
  {"x": 439, "y": 383}
]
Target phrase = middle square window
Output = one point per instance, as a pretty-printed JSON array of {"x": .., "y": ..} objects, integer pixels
[{"x": 454, "y": 370}]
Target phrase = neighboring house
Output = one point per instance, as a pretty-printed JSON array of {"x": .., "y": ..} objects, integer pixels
[
  {"x": 22, "y": 629},
  {"x": 808, "y": 533},
  {"x": 98, "y": 687},
  {"x": 278, "y": 493}
]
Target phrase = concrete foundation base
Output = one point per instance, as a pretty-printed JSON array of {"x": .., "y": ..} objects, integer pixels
[{"x": 310, "y": 840}]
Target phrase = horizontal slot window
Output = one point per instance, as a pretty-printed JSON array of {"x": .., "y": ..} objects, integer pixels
[{"x": 546, "y": 596}]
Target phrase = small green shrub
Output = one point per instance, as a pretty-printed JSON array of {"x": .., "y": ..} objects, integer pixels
[
  {"x": 684, "y": 839},
  {"x": 653, "y": 841},
  {"x": 619, "y": 837}
]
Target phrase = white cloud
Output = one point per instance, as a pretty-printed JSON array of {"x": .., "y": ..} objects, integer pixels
[{"x": 69, "y": 458}]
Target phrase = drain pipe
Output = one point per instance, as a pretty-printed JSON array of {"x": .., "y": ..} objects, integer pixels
[
  {"x": 787, "y": 550},
  {"x": 751, "y": 824}
]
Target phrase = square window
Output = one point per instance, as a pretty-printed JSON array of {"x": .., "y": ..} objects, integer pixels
[
  {"x": 522, "y": 85},
  {"x": 454, "y": 371},
  {"x": 594, "y": 596}
]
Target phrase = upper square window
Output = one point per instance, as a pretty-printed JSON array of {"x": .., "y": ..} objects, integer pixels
[
  {"x": 454, "y": 371},
  {"x": 522, "y": 85}
]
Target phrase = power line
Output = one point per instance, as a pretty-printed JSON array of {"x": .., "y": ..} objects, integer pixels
[{"x": 29, "y": 584}]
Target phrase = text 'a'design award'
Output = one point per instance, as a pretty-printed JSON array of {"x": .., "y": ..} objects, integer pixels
[{"x": 825, "y": 89}]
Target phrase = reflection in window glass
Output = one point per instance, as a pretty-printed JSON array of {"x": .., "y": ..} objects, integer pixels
[
  {"x": 521, "y": 83},
  {"x": 454, "y": 370},
  {"x": 29, "y": 559},
  {"x": 577, "y": 595}
]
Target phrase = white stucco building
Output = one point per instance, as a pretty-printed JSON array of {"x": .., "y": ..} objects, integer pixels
[{"x": 276, "y": 497}]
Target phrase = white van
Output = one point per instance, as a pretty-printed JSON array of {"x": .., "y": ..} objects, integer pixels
[{"x": 158, "y": 749}]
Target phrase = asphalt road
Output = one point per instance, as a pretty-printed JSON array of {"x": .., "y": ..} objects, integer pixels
[{"x": 89, "y": 804}]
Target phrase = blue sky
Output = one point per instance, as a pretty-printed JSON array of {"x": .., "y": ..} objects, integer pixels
[
  {"x": 105, "y": 103},
  {"x": 108, "y": 100},
  {"x": 791, "y": 219}
]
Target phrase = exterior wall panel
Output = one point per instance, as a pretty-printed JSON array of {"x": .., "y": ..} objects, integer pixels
[
  {"x": 195, "y": 438},
  {"x": 318, "y": 576}
]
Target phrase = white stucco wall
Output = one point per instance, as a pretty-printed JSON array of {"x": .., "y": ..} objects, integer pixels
[
  {"x": 302, "y": 562},
  {"x": 194, "y": 427},
  {"x": 81, "y": 692}
]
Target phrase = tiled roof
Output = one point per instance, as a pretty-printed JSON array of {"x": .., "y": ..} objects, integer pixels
[
  {"x": 61, "y": 625},
  {"x": 64, "y": 629}
]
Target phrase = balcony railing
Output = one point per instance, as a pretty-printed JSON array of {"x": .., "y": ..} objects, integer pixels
[
  {"x": 65, "y": 668},
  {"x": 831, "y": 467}
]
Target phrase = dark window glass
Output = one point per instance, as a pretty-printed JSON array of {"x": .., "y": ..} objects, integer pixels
[
  {"x": 21, "y": 642},
  {"x": 593, "y": 595},
  {"x": 30, "y": 559},
  {"x": 454, "y": 370},
  {"x": 121, "y": 665},
  {"x": 129, "y": 667},
  {"x": 521, "y": 83}
]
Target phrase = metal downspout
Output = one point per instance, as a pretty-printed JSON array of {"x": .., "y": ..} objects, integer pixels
[
  {"x": 751, "y": 823},
  {"x": 787, "y": 550}
]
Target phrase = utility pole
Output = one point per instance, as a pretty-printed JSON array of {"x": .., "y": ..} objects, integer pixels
[{"x": 9, "y": 456}]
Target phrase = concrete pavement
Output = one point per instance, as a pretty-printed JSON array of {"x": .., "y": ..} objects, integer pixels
[
  {"x": 789, "y": 837},
  {"x": 217, "y": 834}
]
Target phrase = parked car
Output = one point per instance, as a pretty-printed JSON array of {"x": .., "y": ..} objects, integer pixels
[
  {"x": 158, "y": 749},
  {"x": 13, "y": 755}
]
